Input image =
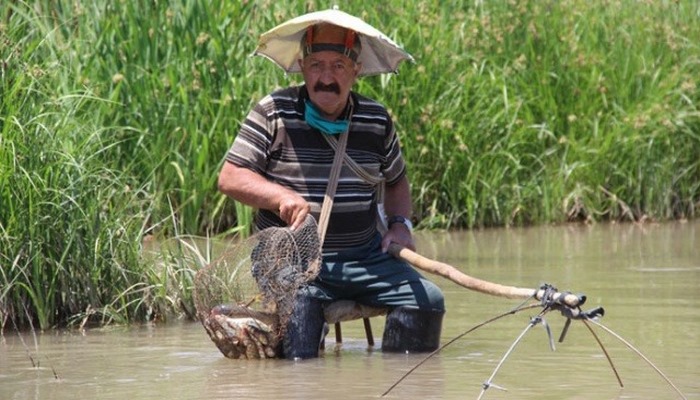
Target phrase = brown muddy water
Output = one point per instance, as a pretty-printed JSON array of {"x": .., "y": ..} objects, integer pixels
[{"x": 646, "y": 276}]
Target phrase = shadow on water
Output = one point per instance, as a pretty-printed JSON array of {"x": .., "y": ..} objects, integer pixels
[{"x": 646, "y": 277}]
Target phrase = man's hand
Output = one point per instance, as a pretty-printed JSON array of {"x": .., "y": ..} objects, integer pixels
[
  {"x": 293, "y": 210},
  {"x": 400, "y": 234}
]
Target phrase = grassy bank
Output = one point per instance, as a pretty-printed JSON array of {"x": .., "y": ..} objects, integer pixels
[{"x": 115, "y": 118}]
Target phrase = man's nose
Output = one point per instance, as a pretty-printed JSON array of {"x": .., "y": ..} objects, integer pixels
[{"x": 326, "y": 74}]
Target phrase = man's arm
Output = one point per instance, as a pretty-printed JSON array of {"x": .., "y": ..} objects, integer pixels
[
  {"x": 250, "y": 188},
  {"x": 397, "y": 201}
]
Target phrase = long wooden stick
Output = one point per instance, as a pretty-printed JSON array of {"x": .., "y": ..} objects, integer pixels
[{"x": 449, "y": 272}]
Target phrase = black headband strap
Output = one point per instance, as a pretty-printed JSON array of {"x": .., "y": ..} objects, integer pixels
[{"x": 338, "y": 48}]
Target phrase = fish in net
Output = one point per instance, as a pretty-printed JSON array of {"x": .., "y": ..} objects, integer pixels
[{"x": 245, "y": 298}]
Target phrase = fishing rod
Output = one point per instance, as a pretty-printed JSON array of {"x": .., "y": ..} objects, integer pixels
[
  {"x": 549, "y": 299},
  {"x": 511, "y": 292}
]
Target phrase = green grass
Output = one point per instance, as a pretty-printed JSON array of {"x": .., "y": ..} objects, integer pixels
[{"x": 115, "y": 119}]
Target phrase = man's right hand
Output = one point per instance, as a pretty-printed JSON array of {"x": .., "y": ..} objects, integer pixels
[{"x": 293, "y": 210}]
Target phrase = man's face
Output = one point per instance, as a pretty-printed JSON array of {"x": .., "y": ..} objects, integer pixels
[{"x": 329, "y": 75}]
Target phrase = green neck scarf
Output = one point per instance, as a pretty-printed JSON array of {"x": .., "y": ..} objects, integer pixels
[{"x": 315, "y": 120}]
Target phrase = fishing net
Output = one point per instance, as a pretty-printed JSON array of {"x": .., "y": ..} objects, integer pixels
[{"x": 245, "y": 298}]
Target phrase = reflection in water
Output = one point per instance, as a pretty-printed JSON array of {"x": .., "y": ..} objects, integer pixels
[{"x": 646, "y": 277}]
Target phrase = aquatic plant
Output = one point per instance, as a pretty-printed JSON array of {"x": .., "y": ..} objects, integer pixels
[{"x": 115, "y": 119}]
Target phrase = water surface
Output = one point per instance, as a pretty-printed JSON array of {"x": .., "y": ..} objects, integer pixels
[{"x": 646, "y": 276}]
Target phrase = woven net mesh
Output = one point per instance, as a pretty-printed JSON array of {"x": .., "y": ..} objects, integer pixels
[{"x": 262, "y": 273}]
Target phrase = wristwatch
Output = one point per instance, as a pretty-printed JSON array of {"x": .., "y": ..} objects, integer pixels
[{"x": 399, "y": 219}]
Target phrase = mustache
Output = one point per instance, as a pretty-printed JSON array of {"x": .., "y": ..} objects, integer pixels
[{"x": 322, "y": 87}]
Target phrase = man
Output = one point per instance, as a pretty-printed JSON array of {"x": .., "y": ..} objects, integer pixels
[{"x": 280, "y": 164}]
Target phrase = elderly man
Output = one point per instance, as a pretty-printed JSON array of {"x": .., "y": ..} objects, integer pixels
[{"x": 280, "y": 164}]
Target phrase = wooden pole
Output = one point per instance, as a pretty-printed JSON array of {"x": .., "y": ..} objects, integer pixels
[{"x": 449, "y": 272}]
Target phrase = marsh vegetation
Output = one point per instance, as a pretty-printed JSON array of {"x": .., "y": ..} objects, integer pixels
[{"x": 115, "y": 119}]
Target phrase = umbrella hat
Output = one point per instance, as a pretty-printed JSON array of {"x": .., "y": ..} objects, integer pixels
[{"x": 282, "y": 44}]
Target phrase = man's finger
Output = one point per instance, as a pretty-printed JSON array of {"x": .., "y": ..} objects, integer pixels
[
  {"x": 386, "y": 240},
  {"x": 298, "y": 219}
]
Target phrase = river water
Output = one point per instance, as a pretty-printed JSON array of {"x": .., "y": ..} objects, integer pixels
[{"x": 647, "y": 277}]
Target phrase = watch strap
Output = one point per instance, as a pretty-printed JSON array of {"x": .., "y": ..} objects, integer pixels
[{"x": 400, "y": 219}]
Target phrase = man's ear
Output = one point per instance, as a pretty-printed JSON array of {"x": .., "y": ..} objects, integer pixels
[
  {"x": 358, "y": 68},
  {"x": 301, "y": 63}
]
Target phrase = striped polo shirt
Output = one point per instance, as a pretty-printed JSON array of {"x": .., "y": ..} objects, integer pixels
[{"x": 276, "y": 142}]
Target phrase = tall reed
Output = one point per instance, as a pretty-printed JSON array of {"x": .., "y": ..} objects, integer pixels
[
  {"x": 70, "y": 222},
  {"x": 115, "y": 119},
  {"x": 547, "y": 111}
]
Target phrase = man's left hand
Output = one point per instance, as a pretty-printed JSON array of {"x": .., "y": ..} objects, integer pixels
[{"x": 399, "y": 234}]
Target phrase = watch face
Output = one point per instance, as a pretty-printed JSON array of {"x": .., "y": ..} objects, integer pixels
[{"x": 400, "y": 219}]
